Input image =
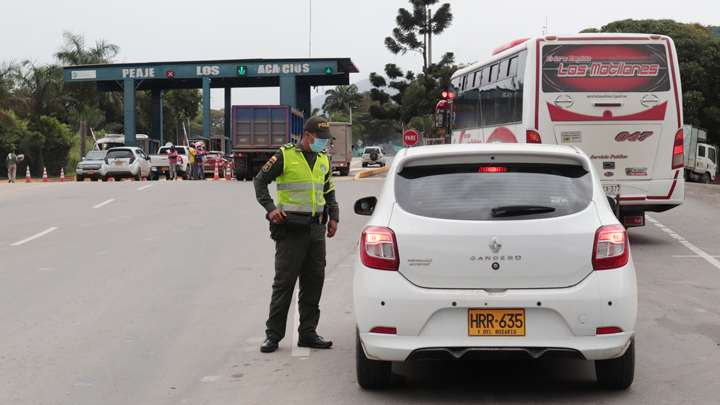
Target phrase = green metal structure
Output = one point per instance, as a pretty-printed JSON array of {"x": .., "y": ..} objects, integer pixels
[{"x": 295, "y": 77}]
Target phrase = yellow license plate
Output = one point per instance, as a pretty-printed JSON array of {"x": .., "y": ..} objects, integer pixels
[
  {"x": 496, "y": 322},
  {"x": 165, "y": 168},
  {"x": 91, "y": 172},
  {"x": 118, "y": 163}
]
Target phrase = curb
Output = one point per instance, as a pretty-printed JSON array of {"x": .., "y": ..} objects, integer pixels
[{"x": 371, "y": 172}]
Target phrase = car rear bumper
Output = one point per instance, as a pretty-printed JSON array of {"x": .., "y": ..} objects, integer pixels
[
  {"x": 433, "y": 323},
  {"x": 84, "y": 173}
]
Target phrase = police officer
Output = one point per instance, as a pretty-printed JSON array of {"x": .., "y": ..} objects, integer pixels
[{"x": 306, "y": 201}]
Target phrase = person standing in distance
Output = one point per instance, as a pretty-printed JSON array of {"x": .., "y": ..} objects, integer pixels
[
  {"x": 172, "y": 163},
  {"x": 11, "y": 164},
  {"x": 306, "y": 199}
]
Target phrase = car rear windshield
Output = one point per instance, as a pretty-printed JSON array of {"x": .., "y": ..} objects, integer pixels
[
  {"x": 371, "y": 150},
  {"x": 120, "y": 154},
  {"x": 211, "y": 155},
  {"x": 95, "y": 155},
  {"x": 474, "y": 191}
]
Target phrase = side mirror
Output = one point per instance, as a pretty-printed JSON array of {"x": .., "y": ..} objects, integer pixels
[
  {"x": 365, "y": 206},
  {"x": 82, "y": 158}
]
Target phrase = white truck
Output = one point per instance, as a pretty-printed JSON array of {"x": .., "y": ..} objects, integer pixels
[
  {"x": 340, "y": 148},
  {"x": 700, "y": 158},
  {"x": 161, "y": 166}
]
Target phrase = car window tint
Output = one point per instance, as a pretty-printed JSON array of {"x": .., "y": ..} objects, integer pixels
[
  {"x": 120, "y": 154},
  {"x": 462, "y": 192}
]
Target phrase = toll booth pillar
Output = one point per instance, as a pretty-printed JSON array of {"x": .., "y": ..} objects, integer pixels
[
  {"x": 228, "y": 118},
  {"x": 129, "y": 88},
  {"x": 288, "y": 91},
  {"x": 302, "y": 99},
  {"x": 206, "y": 108},
  {"x": 156, "y": 119}
]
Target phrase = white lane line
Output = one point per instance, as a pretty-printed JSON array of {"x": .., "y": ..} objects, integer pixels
[
  {"x": 210, "y": 378},
  {"x": 686, "y": 256},
  {"x": 297, "y": 351},
  {"x": 145, "y": 187},
  {"x": 687, "y": 244},
  {"x": 45, "y": 232},
  {"x": 106, "y": 202}
]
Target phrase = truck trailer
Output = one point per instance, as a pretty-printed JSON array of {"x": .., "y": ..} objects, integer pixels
[
  {"x": 341, "y": 147},
  {"x": 700, "y": 158},
  {"x": 258, "y": 132}
]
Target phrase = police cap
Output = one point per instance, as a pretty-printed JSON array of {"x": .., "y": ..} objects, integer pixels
[{"x": 318, "y": 126}]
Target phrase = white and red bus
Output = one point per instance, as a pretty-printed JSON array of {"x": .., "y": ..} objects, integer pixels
[{"x": 615, "y": 96}]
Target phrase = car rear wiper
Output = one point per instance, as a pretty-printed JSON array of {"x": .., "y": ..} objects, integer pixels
[{"x": 515, "y": 210}]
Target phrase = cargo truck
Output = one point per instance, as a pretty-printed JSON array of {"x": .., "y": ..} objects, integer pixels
[
  {"x": 258, "y": 132},
  {"x": 340, "y": 149},
  {"x": 700, "y": 158}
]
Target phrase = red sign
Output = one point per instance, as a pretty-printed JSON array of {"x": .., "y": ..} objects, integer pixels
[{"x": 410, "y": 137}]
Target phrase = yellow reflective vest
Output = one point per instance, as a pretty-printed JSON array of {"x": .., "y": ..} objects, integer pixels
[{"x": 300, "y": 188}]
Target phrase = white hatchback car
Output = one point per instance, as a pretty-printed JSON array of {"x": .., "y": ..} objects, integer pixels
[
  {"x": 125, "y": 162},
  {"x": 493, "y": 251}
]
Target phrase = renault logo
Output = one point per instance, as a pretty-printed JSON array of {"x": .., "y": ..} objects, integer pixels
[{"x": 495, "y": 245}]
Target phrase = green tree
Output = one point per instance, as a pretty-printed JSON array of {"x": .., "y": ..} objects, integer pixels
[
  {"x": 420, "y": 22},
  {"x": 342, "y": 98},
  {"x": 698, "y": 53}
]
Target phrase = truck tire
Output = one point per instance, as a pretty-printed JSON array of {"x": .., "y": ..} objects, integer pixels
[
  {"x": 248, "y": 176},
  {"x": 617, "y": 373},
  {"x": 371, "y": 374},
  {"x": 344, "y": 171},
  {"x": 706, "y": 178},
  {"x": 79, "y": 178},
  {"x": 364, "y": 164}
]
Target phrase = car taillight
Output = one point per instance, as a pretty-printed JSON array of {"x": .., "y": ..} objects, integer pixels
[
  {"x": 607, "y": 331},
  {"x": 532, "y": 136},
  {"x": 180, "y": 159},
  {"x": 149, "y": 159},
  {"x": 611, "y": 248},
  {"x": 132, "y": 159},
  {"x": 678, "y": 159},
  {"x": 387, "y": 331},
  {"x": 378, "y": 249}
]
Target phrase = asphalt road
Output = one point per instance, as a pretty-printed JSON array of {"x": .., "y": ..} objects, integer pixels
[{"x": 157, "y": 293}]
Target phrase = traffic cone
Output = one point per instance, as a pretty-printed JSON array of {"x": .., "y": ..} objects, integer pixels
[
  {"x": 27, "y": 175},
  {"x": 217, "y": 177},
  {"x": 62, "y": 175},
  {"x": 228, "y": 173},
  {"x": 44, "y": 175},
  {"x": 143, "y": 179},
  {"x": 111, "y": 178},
  {"x": 132, "y": 178}
]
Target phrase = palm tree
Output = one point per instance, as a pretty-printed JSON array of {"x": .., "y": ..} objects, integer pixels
[
  {"x": 85, "y": 97},
  {"x": 342, "y": 98},
  {"x": 8, "y": 98}
]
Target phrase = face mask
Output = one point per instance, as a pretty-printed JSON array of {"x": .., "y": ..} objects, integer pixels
[{"x": 318, "y": 144}]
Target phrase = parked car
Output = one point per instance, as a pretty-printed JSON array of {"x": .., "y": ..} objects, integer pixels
[
  {"x": 493, "y": 251},
  {"x": 89, "y": 167},
  {"x": 223, "y": 163},
  {"x": 373, "y": 155},
  {"x": 125, "y": 162},
  {"x": 161, "y": 165}
]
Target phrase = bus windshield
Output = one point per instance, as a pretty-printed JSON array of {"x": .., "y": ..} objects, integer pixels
[{"x": 605, "y": 68}]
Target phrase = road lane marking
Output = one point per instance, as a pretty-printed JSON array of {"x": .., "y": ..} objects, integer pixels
[
  {"x": 45, "y": 232},
  {"x": 710, "y": 259},
  {"x": 211, "y": 378},
  {"x": 106, "y": 202},
  {"x": 297, "y": 351},
  {"x": 145, "y": 187},
  {"x": 24, "y": 188},
  {"x": 686, "y": 256}
]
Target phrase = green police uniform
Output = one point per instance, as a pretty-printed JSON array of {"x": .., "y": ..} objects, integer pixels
[{"x": 305, "y": 186}]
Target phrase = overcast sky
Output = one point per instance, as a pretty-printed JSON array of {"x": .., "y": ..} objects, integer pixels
[{"x": 153, "y": 30}]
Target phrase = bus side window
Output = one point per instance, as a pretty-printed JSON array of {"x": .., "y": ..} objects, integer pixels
[
  {"x": 485, "y": 76},
  {"x": 493, "y": 73},
  {"x": 512, "y": 71},
  {"x": 503, "y": 73}
]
